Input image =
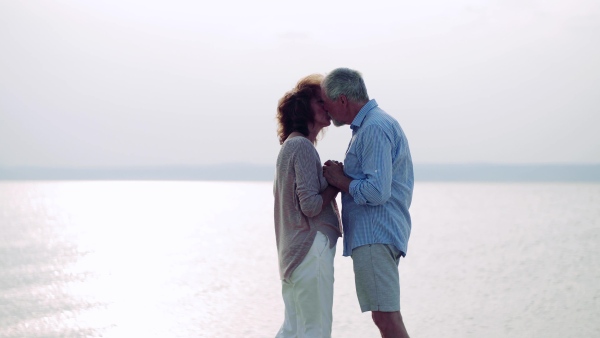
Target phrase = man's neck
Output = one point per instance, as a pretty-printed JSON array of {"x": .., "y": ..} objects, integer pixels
[{"x": 354, "y": 108}]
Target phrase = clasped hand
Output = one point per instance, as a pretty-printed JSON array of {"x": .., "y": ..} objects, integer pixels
[{"x": 333, "y": 171}]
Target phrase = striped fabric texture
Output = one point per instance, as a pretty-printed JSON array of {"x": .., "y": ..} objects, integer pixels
[{"x": 379, "y": 162}]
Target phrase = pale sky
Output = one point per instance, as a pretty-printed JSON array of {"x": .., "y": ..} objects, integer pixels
[{"x": 133, "y": 83}]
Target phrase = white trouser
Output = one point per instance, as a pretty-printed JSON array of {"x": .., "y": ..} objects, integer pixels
[{"x": 308, "y": 295}]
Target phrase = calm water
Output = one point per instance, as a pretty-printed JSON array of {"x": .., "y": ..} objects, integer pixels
[{"x": 198, "y": 259}]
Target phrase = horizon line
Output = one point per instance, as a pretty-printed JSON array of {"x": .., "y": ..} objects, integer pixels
[{"x": 566, "y": 172}]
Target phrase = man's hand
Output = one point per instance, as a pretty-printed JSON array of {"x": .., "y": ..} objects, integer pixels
[{"x": 334, "y": 174}]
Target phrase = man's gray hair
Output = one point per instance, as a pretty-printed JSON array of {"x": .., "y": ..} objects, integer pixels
[{"x": 345, "y": 81}]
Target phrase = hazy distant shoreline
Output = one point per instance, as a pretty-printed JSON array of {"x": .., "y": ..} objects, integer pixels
[{"x": 247, "y": 172}]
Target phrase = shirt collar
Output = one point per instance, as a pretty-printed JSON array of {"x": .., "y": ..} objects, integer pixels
[{"x": 362, "y": 113}]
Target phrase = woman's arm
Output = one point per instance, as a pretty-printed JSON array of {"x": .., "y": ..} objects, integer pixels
[
  {"x": 308, "y": 184},
  {"x": 329, "y": 194}
]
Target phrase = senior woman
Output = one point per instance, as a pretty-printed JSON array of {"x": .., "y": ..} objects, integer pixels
[{"x": 307, "y": 222}]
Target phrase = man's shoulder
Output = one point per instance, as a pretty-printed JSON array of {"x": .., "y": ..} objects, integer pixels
[
  {"x": 382, "y": 114},
  {"x": 378, "y": 118}
]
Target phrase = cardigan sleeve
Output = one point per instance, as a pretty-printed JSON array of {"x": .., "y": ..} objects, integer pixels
[{"x": 306, "y": 163}]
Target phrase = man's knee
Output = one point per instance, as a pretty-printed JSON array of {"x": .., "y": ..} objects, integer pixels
[
  {"x": 390, "y": 324},
  {"x": 384, "y": 318},
  {"x": 377, "y": 318}
]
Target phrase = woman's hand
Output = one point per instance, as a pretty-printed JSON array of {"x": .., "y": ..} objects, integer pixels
[{"x": 333, "y": 171}]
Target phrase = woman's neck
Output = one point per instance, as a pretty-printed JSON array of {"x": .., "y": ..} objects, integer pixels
[
  {"x": 313, "y": 131},
  {"x": 312, "y": 135}
]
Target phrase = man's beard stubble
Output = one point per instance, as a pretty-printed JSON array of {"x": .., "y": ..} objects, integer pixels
[{"x": 335, "y": 122}]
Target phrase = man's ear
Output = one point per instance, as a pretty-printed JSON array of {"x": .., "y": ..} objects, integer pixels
[{"x": 343, "y": 99}]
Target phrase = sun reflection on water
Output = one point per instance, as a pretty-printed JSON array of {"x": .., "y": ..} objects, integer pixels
[
  {"x": 198, "y": 259},
  {"x": 119, "y": 259}
]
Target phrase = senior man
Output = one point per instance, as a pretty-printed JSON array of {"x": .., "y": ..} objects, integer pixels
[{"x": 376, "y": 180}]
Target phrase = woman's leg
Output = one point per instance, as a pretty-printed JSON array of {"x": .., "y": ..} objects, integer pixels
[
  {"x": 289, "y": 327},
  {"x": 313, "y": 289},
  {"x": 308, "y": 296}
]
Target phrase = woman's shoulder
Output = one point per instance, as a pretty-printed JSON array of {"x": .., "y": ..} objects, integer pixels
[
  {"x": 299, "y": 149},
  {"x": 297, "y": 142}
]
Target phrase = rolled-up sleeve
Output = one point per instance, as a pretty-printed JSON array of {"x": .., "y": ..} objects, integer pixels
[
  {"x": 375, "y": 160},
  {"x": 307, "y": 179}
]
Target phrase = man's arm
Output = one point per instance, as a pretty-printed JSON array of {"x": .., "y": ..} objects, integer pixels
[{"x": 374, "y": 153}]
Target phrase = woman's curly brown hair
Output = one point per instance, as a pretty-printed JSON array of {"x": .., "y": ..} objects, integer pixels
[{"x": 293, "y": 110}]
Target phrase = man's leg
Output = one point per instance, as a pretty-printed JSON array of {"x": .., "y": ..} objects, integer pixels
[
  {"x": 390, "y": 324},
  {"x": 378, "y": 286}
]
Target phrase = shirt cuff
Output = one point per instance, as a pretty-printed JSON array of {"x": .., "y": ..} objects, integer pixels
[{"x": 355, "y": 192}]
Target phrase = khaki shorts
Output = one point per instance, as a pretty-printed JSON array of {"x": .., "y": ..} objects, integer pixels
[{"x": 376, "y": 277}]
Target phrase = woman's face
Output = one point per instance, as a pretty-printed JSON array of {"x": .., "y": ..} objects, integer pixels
[{"x": 321, "y": 117}]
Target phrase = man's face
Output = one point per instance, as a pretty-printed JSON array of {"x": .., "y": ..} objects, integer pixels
[{"x": 334, "y": 109}]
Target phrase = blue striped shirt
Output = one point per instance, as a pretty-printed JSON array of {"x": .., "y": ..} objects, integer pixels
[{"x": 378, "y": 161}]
